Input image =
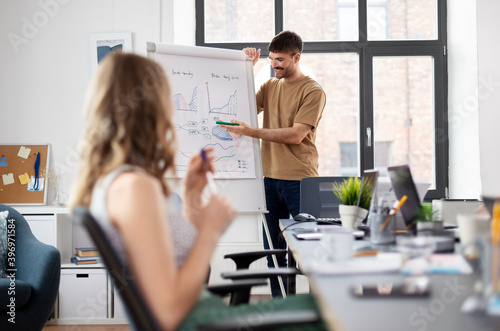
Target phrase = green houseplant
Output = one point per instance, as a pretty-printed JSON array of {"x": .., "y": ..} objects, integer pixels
[
  {"x": 348, "y": 191},
  {"x": 427, "y": 218}
]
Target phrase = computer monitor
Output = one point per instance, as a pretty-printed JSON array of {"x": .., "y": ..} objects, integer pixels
[{"x": 403, "y": 184}]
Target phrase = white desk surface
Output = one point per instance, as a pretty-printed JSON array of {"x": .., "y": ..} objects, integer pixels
[{"x": 341, "y": 311}]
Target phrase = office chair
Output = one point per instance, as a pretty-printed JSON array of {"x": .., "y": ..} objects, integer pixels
[
  {"x": 140, "y": 315},
  {"x": 317, "y": 197},
  {"x": 243, "y": 261}
]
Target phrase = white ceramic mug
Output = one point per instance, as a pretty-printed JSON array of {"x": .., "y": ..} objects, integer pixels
[
  {"x": 338, "y": 243},
  {"x": 470, "y": 227}
]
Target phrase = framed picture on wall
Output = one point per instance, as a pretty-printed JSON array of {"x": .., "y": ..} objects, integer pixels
[{"x": 102, "y": 44}]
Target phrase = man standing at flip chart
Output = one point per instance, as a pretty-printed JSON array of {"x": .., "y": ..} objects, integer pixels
[{"x": 292, "y": 104}]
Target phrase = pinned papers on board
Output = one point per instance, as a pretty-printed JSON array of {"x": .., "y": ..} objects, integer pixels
[
  {"x": 32, "y": 184},
  {"x": 8, "y": 179},
  {"x": 21, "y": 164},
  {"x": 24, "y": 178},
  {"x": 24, "y": 152}
]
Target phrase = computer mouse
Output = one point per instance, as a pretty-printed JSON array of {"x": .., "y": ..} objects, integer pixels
[{"x": 304, "y": 217}]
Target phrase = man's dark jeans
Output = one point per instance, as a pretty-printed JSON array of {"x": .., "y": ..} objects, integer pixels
[{"x": 282, "y": 200}]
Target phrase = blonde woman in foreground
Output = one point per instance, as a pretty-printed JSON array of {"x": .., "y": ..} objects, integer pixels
[{"x": 128, "y": 147}]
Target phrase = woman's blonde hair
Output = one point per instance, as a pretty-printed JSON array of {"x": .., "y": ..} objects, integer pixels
[{"x": 129, "y": 111}]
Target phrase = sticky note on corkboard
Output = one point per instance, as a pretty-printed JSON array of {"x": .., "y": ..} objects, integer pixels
[{"x": 18, "y": 165}]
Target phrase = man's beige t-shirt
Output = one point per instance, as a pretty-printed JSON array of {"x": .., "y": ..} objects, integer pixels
[{"x": 283, "y": 105}]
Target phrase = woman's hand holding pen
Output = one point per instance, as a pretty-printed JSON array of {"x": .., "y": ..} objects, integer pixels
[
  {"x": 218, "y": 210},
  {"x": 195, "y": 182},
  {"x": 196, "y": 177}
]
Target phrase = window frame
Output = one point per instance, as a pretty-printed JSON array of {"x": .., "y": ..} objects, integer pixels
[{"x": 367, "y": 50}]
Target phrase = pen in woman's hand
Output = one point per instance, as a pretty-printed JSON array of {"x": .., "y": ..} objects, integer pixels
[{"x": 210, "y": 176}]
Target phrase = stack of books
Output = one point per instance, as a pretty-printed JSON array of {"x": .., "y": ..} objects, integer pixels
[{"x": 86, "y": 255}]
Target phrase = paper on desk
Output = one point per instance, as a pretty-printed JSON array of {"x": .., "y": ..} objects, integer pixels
[
  {"x": 390, "y": 262},
  {"x": 361, "y": 265},
  {"x": 450, "y": 264},
  {"x": 440, "y": 263}
]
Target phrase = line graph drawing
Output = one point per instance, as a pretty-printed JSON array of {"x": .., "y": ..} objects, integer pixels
[
  {"x": 180, "y": 102},
  {"x": 230, "y": 108},
  {"x": 227, "y": 159}
]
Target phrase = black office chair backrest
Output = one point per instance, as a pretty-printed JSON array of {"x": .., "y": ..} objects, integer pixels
[
  {"x": 138, "y": 312},
  {"x": 317, "y": 197}
]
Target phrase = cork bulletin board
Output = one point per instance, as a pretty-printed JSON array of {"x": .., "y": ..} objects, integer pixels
[{"x": 22, "y": 172}]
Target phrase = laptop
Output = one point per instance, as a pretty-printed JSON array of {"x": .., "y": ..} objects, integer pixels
[{"x": 403, "y": 184}]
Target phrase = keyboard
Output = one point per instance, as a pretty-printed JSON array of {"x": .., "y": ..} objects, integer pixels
[{"x": 327, "y": 220}]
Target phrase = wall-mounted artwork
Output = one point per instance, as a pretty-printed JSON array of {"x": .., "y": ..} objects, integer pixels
[{"x": 102, "y": 44}]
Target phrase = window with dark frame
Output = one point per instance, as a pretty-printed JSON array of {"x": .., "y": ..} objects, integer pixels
[{"x": 385, "y": 76}]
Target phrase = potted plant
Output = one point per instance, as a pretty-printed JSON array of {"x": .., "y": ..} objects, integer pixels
[
  {"x": 427, "y": 218},
  {"x": 348, "y": 192}
]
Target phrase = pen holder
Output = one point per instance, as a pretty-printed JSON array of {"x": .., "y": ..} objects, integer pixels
[{"x": 382, "y": 228}]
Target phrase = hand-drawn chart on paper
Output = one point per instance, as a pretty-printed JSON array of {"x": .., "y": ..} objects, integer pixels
[{"x": 204, "y": 92}]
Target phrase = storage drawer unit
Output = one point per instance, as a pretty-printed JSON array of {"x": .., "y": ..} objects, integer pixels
[
  {"x": 83, "y": 294},
  {"x": 118, "y": 306}
]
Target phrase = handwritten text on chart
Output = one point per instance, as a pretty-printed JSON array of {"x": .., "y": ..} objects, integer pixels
[
  {"x": 227, "y": 77},
  {"x": 182, "y": 73}
]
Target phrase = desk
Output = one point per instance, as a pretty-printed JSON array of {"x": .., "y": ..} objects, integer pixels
[{"x": 341, "y": 311}]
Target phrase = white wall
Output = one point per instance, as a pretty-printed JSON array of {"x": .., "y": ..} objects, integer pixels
[
  {"x": 44, "y": 77},
  {"x": 463, "y": 126},
  {"x": 43, "y": 82},
  {"x": 488, "y": 26}
]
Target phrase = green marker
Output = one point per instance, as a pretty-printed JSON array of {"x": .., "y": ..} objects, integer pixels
[{"x": 226, "y": 123}]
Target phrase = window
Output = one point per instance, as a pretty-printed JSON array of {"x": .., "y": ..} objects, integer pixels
[
  {"x": 348, "y": 159},
  {"x": 382, "y": 64}
]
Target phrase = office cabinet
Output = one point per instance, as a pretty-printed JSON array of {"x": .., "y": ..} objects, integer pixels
[
  {"x": 118, "y": 307},
  {"x": 83, "y": 294},
  {"x": 43, "y": 228}
]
